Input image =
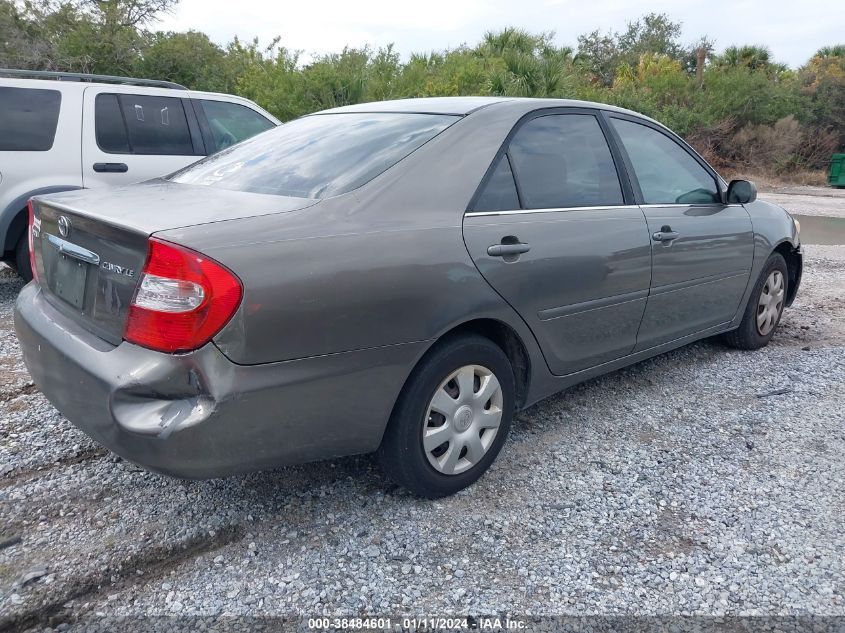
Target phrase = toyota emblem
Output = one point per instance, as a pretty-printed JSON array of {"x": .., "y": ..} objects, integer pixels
[{"x": 64, "y": 226}]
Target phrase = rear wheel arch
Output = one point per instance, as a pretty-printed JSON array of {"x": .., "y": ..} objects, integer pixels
[
  {"x": 15, "y": 217},
  {"x": 500, "y": 333},
  {"x": 509, "y": 342}
]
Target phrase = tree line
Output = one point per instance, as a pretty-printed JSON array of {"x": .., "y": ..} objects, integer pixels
[{"x": 740, "y": 108}]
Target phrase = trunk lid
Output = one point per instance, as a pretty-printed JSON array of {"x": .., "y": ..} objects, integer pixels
[{"x": 91, "y": 245}]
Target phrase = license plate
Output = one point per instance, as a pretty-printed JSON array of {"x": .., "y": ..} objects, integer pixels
[{"x": 68, "y": 280}]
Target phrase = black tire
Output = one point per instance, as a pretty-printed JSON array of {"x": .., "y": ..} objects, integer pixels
[
  {"x": 747, "y": 336},
  {"x": 402, "y": 456},
  {"x": 22, "y": 258}
]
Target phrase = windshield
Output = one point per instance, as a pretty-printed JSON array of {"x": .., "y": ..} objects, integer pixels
[{"x": 317, "y": 156}]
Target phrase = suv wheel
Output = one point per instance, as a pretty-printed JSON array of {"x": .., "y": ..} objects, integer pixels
[
  {"x": 22, "y": 258},
  {"x": 451, "y": 419}
]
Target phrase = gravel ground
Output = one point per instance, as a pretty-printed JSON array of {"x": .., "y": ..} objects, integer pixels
[
  {"x": 809, "y": 200},
  {"x": 705, "y": 481}
]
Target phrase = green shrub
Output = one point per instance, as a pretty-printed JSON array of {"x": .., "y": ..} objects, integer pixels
[{"x": 739, "y": 108}]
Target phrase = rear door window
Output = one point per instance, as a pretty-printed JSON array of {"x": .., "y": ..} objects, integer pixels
[
  {"x": 563, "y": 160},
  {"x": 231, "y": 123},
  {"x": 317, "y": 156},
  {"x": 142, "y": 124},
  {"x": 28, "y": 119},
  {"x": 156, "y": 125}
]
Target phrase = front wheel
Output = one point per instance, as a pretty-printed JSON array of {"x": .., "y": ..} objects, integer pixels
[
  {"x": 451, "y": 419},
  {"x": 764, "y": 308}
]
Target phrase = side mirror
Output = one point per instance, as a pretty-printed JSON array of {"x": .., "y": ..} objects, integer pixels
[{"x": 741, "y": 192}]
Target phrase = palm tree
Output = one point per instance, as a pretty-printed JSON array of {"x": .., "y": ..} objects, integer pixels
[
  {"x": 525, "y": 65},
  {"x": 827, "y": 52},
  {"x": 750, "y": 56}
]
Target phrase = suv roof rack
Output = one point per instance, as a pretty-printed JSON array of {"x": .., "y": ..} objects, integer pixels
[{"x": 112, "y": 79}]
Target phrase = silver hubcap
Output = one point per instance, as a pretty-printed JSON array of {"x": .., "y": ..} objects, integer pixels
[
  {"x": 462, "y": 420},
  {"x": 770, "y": 304}
]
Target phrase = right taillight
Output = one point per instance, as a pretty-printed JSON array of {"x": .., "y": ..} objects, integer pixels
[
  {"x": 30, "y": 232},
  {"x": 183, "y": 300}
]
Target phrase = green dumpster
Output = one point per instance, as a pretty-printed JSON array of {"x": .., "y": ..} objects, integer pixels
[{"x": 836, "y": 176}]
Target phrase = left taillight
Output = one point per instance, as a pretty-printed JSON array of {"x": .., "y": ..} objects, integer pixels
[
  {"x": 32, "y": 227},
  {"x": 183, "y": 299}
]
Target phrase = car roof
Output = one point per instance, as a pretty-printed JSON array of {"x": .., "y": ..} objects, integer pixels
[
  {"x": 68, "y": 85},
  {"x": 78, "y": 86},
  {"x": 423, "y": 105},
  {"x": 466, "y": 105},
  {"x": 71, "y": 85}
]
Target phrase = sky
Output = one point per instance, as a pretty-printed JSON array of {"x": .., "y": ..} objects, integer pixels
[{"x": 792, "y": 29}]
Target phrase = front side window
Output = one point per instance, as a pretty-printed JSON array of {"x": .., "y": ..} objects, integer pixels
[
  {"x": 317, "y": 156},
  {"x": 666, "y": 172},
  {"x": 142, "y": 124},
  {"x": 231, "y": 123},
  {"x": 563, "y": 160},
  {"x": 28, "y": 119}
]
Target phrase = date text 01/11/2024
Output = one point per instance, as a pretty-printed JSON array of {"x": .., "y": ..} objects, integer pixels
[{"x": 417, "y": 623}]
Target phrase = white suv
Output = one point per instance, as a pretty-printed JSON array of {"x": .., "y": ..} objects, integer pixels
[{"x": 94, "y": 131}]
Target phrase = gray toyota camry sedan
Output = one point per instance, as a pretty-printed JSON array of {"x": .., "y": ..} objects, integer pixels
[{"x": 395, "y": 277}]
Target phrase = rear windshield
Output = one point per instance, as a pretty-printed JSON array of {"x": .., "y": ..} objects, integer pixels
[
  {"x": 28, "y": 119},
  {"x": 317, "y": 156}
]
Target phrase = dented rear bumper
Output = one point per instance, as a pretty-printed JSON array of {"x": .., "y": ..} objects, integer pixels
[{"x": 198, "y": 415}]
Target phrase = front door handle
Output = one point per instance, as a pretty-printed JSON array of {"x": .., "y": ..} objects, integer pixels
[
  {"x": 118, "y": 168},
  {"x": 665, "y": 234},
  {"x": 503, "y": 250}
]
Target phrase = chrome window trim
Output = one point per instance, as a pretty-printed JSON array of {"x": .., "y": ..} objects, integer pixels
[
  {"x": 555, "y": 210},
  {"x": 681, "y": 204},
  {"x": 671, "y": 205}
]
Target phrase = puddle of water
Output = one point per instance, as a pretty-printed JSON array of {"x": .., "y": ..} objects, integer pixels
[{"x": 820, "y": 229}]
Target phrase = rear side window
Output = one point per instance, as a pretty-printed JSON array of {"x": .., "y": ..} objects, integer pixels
[
  {"x": 142, "y": 124},
  {"x": 666, "y": 172},
  {"x": 499, "y": 193},
  {"x": 28, "y": 119},
  {"x": 564, "y": 161},
  {"x": 231, "y": 123},
  {"x": 317, "y": 156}
]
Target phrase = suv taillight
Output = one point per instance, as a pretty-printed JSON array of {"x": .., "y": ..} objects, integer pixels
[
  {"x": 183, "y": 300},
  {"x": 30, "y": 232}
]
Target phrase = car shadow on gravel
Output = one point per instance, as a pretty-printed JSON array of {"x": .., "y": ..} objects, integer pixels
[{"x": 642, "y": 376}]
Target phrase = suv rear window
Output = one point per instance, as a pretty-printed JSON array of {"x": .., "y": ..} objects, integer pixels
[
  {"x": 142, "y": 124},
  {"x": 317, "y": 156},
  {"x": 28, "y": 119},
  {"x": 231, "y": 123}
]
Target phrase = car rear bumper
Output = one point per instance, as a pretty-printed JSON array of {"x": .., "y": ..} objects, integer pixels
[{"x": 199, "y": 415}]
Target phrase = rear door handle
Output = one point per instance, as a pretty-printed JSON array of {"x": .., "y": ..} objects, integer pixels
[
  {"x": 665, "y": 234},
  {"x": 502, "y": 250},
  {"x": 118, "y": 168}
]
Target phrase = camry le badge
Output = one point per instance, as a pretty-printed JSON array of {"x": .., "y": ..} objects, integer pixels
[{"x": 120, "y": 270}]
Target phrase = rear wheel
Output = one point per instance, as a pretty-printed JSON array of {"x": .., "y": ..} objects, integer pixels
[
  {"x": 22, "y": 258},
  {"x": 764, "y": 309},
  {"x": 451, "y": 419}
]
